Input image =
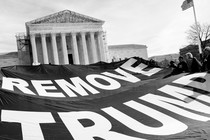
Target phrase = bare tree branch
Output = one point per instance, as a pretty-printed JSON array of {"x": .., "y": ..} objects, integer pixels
[{"x": 202, "y": 30}]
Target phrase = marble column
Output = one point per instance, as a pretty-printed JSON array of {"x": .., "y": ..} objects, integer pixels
[
  {"x": 64, "y": 48},
  {"x": 34, "y": 49},
  {"x": 44, "y": 48},
  {"x": 93, "y": 47},
  {"x": 75, "y": 49},
  {"x": 101, "y": 46},
  {"x": 54, "y": 48},
  {"x": 84, "y": 48}
]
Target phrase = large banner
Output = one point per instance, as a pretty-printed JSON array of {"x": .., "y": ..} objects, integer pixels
[{"x": 126, "y": 100}]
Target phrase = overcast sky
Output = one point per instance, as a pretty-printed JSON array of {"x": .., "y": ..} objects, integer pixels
[{"x": 161, "y": 25}]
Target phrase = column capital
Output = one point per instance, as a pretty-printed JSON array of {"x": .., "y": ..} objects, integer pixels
[
  {"x": 32, "y": 34},
  {"x": 53, "y": 34},
  {"x": 74, "y": 33},
  {"x": 92, "y": 32},
  {"x": 63, "y": 33},
  {"x": 83, "y": 33},
  {"x": 43, "y": 34}
]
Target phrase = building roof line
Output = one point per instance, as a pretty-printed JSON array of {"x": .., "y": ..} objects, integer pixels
[{"x": 62, "y": 15}]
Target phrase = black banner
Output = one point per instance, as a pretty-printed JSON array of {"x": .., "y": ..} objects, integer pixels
[{"x": 128, "y": 100}]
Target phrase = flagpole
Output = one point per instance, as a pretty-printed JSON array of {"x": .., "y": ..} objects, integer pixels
[{"x": 196, "y": 24}]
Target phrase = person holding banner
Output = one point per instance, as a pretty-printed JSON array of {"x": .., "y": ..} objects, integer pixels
[
  {"x": 206, "y": 59},
  {"x": 193, "y": 64},
  {"x": 182, "y": 65}
]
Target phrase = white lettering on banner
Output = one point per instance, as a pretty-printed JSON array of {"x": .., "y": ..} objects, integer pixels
[
  {"x": 184, "y": 94},
  {"x": 10, "y": 83},
  {"x": 113, "y": 84},
  {"x": 78, "y": 86},
  {"x": 180, "y": 103},
  {"x": 126, "y": 76},
  {"x": 169, "y": 124},
  {"x": 101, "y": 128},
  {"x": 167, "y": 103},
  {"x": 41, "y": 86},
  {"x": 32, "y": 131},
  {"x": 30, "y": 122},
  {"x": 139, "y": 69},
  {"x": 41, "y": 90},
  {"x": 187, "y": 80}
]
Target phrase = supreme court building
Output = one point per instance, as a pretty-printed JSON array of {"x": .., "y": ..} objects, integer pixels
[{"x": 65, "y": 37}]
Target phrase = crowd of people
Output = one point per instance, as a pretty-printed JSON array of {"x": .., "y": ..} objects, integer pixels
[{"x": 191, "y": 64}]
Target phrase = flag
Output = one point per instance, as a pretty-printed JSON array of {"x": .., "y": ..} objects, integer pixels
[{"x": 187, "y": 4}]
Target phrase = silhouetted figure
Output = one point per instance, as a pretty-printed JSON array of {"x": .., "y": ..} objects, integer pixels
[
  {"x": 193, "y": 64},
  {"x": 182, "y": 65},
  {"x": 172, "y": 65},
  {"x": 152, "y": 63},
  {"x": 206, "y": 59},
  {"x": 180, "y": 68}
]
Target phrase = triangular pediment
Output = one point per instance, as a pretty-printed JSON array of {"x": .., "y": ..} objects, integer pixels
[{"x": 65, "y": 16}]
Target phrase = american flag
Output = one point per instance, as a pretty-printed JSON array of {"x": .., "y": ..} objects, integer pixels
[{"x": 187, "y": 4}]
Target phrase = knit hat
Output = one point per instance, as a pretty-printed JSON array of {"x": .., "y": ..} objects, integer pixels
[{"x": 207, "y": 48}]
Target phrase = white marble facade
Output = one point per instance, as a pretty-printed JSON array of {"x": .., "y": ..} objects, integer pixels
[
  {"x": 67, "y": 37},
  {"x": 121, "y": 52}
]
